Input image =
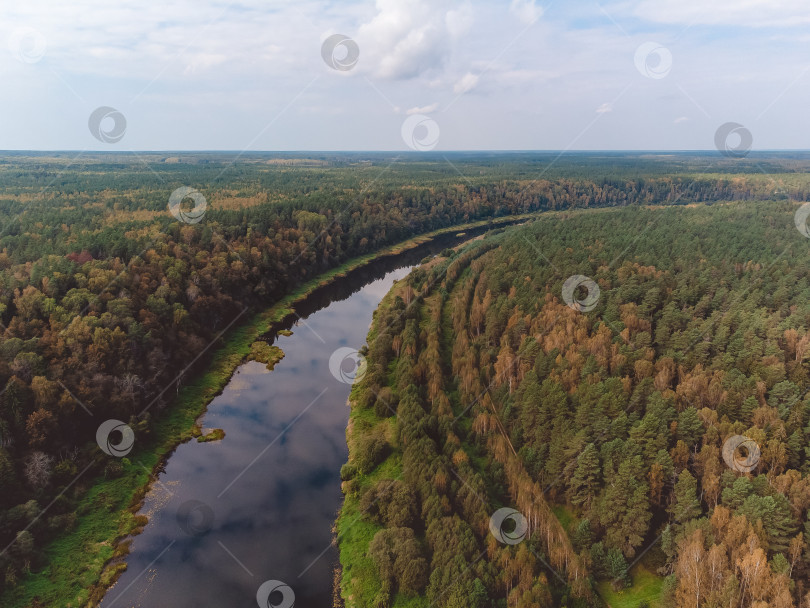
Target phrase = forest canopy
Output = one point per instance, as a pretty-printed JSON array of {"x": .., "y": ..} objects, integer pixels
[
  {"x": 109, "y": 304},
  {"x": 651, "y": 440}
]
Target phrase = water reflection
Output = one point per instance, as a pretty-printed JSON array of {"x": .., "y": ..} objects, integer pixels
[{"x": 269, "y": 492}]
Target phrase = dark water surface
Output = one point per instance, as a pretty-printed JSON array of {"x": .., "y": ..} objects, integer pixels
[{"x": 268, "y": 494}]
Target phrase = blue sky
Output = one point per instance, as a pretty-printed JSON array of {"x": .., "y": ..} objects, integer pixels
[{"x": 522, "y": 74}]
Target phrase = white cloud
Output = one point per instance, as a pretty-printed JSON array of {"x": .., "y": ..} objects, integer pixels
[
  {"x": 680, "y": 119},
  {"x": 409, "y": 38},
  {"x": 526, "y": 10},
  {"x": 204, "y": 61},
  {"x": 466, "y": 83},
  {"x": 133, "y": 39},
  {"x": 423, "y": 109},
  {"x": 750, "y": 13},
  {"x": 459, "y": 21},
  {"x": 604, "y": 108}
]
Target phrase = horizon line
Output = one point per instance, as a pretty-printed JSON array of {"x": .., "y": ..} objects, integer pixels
[{"x": 398, "y": 152}]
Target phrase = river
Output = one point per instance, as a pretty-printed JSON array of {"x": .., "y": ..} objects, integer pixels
[{"x": 227, "y": 516}]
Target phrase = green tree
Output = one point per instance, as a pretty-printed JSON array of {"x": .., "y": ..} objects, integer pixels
[
  {"x": 690, "y": 428},
  {"x": 399, "y": 559},
  {"x": 686, "y": 505},
  {"x": 625, "y": 511},
  {"x": 585, "y": 481}
]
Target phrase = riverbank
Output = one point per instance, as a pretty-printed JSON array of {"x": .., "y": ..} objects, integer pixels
[
  {"x": 86, "y": 561},
  {"x": 358, "y": 582}
]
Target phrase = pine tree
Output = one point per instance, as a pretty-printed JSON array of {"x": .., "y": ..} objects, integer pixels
[
  {"x": 690, "y": 428},
  {"x": 775, "y": 514},
  {"x": 585, "y": 482},
  {"x": 583, "y": 535},
  {"x": 616, "y": 568},
  {"x": 686, "y": 505},
  {"x": 624, "y": 510},
  {"x": 734, "y": 496},
  {"x": 637, "y": 518},
  {"x": 749, "y": 405},
  {"x": 795, "y": 449},
  {"x": 784, "y": 396}
]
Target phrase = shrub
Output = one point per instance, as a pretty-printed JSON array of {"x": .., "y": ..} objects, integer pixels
[
  {"x": 391, "y": 502},
  {"x": 113, "y": 469},
  {"x": 386, "y": 403},
  {"x": 370, "y": 450},
  {"x": 348, "y": 471}
]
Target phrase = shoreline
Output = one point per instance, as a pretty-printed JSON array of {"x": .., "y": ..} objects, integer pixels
[{"x": 111, "y": 525}]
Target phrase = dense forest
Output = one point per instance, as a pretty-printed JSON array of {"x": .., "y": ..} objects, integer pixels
[
  {"x": 635, "y": 436},
  {"x": 109, "y": 303}
]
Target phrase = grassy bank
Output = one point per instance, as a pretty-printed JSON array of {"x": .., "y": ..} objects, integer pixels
[
  {"x": 359, "y": 578},
  {"x": 84, "y": 562},
  {"x": 646, "y": 587}
]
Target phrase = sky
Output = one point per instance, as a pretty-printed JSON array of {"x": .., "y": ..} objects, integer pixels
[{"x": 404, "y": 75}]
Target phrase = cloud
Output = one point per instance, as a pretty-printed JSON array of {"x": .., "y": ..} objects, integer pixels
[
  {"x": 459, "y": 21},
  {"x": 604, "y": 108},
  {"x": 423, "y": 109},
  {"x": 130, "y": 39},
  {"x": 526, "y": 10},
  {"x": 203, "y": 61},
  {"x": 408, "y": 38},
  {"x": 748, "y": 13},
  {"x": 466, "y": 83},
  {"x": 202, "y": 74},
  {"x": 680, "y": 119}
]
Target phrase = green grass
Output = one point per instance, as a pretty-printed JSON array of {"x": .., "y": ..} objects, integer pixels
[
  {"x": 566, "y": 517},
  {"x": 265, "y": 353},
  {"x": 359, "y": 580},
  {"x": 646, "y": 586},
  {"x": 214, "y": 435},
  {"x": 403, "y": 601}
]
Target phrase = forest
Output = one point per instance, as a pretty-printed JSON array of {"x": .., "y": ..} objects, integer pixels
[
  {"x": 109, "y": 304},
  {"x": 636, "y": 436}
]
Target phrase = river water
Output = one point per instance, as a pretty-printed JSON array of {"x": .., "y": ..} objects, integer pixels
[{"x": 227, "y": 516}]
